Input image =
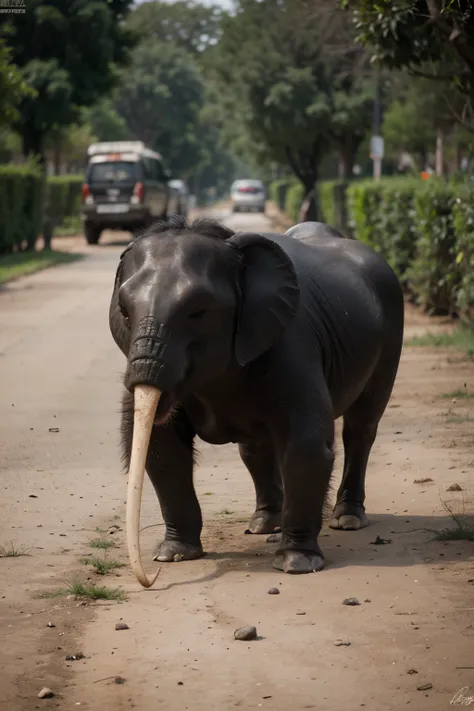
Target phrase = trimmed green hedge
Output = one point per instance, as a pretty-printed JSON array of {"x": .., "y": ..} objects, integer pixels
[
  {"x": 63, "y": 199},
  {"x": 21, "y": 199},
  {"x": 425, "y": 230}
]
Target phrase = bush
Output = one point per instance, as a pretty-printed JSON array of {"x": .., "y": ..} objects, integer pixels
[
  {"x": 294, "y": 200},
  {"x": 278, "y": 190},
  {"x": 63, "y": 199},
  {"x": 464, "y": 230},
  {"x": 21, "y": 195},
  {"x": 363, "y": 203},
  {"x": 434, "y": 273}
]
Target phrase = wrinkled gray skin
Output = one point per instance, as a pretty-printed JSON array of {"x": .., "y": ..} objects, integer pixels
[{"x": 263, "y": 340}]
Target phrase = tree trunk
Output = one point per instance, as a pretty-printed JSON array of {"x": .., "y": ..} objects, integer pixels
[
  {"x": 310, "y": 211},
  {"x": 439, "y": 152},
  {"x": 57, "y": 159}
]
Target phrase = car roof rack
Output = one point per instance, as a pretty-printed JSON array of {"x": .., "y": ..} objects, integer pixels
[{"x": 96, "y": 149}]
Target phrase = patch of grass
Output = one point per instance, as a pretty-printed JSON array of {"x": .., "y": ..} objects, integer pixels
[
  {"x": 460, "y": 338},
  {"x": 71, "y": 227},
  {"x": 101, "y": 567},
  {"x": 459, "y": 394},
  {"x": 11, "y": 551},
  {"x": 459, "y": 420},
  {"x": 226, "y": 512},
  {"x": 90, "y": 592},
  {"x": 98, "y": 529},
  {"x": 18, "y": 264},
  {"x": 461, "y": 531},
  {"x": 102, "y": 543}
]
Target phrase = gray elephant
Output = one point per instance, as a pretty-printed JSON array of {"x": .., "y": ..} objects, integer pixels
[{"x": 262, "y": 340}]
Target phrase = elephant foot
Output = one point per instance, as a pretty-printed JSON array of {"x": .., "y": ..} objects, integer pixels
[
  {"x": 298, "y": 562},
  {"x": 348, "y": 517},
  {"x": 265, "y": 522},
  {"x": 175, "y": 551}
]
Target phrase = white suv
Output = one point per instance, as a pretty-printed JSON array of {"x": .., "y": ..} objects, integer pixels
[{"x": 247, "y": 195}]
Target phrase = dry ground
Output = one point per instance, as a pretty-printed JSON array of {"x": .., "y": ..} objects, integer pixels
[{"x": 62, "y": 486}]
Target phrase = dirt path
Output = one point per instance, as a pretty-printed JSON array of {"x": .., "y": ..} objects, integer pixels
[{"x": 61, "y": 370}]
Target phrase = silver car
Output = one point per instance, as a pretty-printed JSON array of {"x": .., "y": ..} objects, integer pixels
[{"x": 248, "y": 195}]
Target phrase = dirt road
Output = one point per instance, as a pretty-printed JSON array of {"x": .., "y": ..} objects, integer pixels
[{"x": 62, "y": 486}]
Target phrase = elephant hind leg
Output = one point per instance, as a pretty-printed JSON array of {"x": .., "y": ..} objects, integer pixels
[
  {"x": 359, "y": 431},
  {"x": 262, "y": 464}
]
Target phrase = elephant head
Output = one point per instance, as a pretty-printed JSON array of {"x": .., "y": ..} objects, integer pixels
[{"x": 189, "y": 304}]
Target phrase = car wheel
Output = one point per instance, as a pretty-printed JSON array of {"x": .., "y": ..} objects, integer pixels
[{"x": 92, "y": 233}]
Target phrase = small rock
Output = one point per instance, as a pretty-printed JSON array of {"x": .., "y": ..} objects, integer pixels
[
  {"x": 273, "y": 591},
  {"x": 119, "y": 680},
  {"x": 50, "y": 624},
  {"x": 45, "y": 693},
  {"x": 121, "y": 626},
  {"x": 74, "y": 657},
  {"x": 301, "y": 613},
  {"x": 351, "y": 601},
  {"x": 425, "y": 480},
  {"x": 33, "y": 496},
  {"x": 180, "y": 683},
  {"x": 274, "y": 538},
  {"x": 246, "y": 633},
  {"x": 424, "y": 687},
  {"x": 380, "y": 541},
  {"x": 54, "y": 429},
  {"x": 367, "y": 600},
  {"x": 342, "y": 643},
  {"x": 412, "y": 671},
  {"x": 454, "y": 487}
]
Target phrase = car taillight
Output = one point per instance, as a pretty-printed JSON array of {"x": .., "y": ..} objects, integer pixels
[
  {"x": 138, "y": 192},
  {"x": 85, "y": 192}
]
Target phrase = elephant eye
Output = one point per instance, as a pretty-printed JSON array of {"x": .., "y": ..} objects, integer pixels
[{"x": 197, "y": 314}]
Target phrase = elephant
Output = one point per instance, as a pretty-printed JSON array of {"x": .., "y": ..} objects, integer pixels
[{"x": 258, "y": 339}]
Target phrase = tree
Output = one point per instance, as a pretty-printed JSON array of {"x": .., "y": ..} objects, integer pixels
[
  {"x": 431, "y": 38},
  {"x": 190, "y": 26},
  {"x": 160, "y": 98},
  {"x": 68, "y": 53},
  {"x": 293, "y": 82},
  {"x": 12, "y": 87},
  {"x": 105, "y": 121}
]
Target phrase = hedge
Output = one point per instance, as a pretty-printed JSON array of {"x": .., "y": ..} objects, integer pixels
[
  {"x": 425, "y": 230},
  {"x": 63, "y": 199},
  {"x": 21, "y": 199}
]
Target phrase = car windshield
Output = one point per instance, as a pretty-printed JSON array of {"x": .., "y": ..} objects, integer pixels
[{"x": 113, "y": 172}]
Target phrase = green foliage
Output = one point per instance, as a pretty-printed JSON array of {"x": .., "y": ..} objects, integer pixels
[
  {"x": 21, "y": 193},
  {"x": 434, "y": 272},
  {"x": 464, "y": 229},
  {"x": 12, "y": 87},
  {"x": 294, "y": 199},
  {"x": 160, "y": 98},
  {"x": 68, "y": 53},
  {"x": 63, "y": 198},
  {"x": 278, "y": 191},
  {"x": 188, "y": 25},
  {"x": 19, "y": 264}
]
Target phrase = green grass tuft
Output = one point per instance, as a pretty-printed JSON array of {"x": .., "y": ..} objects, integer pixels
[
  {"x": 22, "y": 263},
  {"x": 102, "y": 543},
  {"x": 460, "y": 338},
  {"x": 459, "y": 394},
  {"x": 90, "y": 592},
  {"x": 101, "y": 567},
  {"x": 11, "y": 551}
]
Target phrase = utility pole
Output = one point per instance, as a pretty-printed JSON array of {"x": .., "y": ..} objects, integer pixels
[{"x": 377, "y": 143}]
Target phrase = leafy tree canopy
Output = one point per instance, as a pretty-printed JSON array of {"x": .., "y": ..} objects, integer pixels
[
  {"x": 13, "y": 87},
  {"x": 187, "y": 24},
  {"x": 68, "y": 53},
  {"x": 160, "y": 99},
  {"x": 413, "y": 34}
]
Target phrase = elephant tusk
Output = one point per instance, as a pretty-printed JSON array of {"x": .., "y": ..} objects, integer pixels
[{"x": 146, "y": 403}]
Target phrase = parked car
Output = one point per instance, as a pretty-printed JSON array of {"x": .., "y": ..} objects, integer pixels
[
  {"x": 126, "y": 188},
  {"x": 247, "y": 195},
  {"x": 180, "y": 198}
]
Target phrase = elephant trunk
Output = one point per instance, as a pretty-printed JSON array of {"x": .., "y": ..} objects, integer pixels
[{"x": 147, "y": 398}]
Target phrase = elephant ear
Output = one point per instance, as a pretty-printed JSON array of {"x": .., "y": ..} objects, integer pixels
[{"x": 269, "y": 295}]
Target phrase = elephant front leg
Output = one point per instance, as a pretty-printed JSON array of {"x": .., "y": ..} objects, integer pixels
[
  {"x": 307, "y": 466},
  {"x": 261, "y": 461},
  {"x": 169, "y": 466}
]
